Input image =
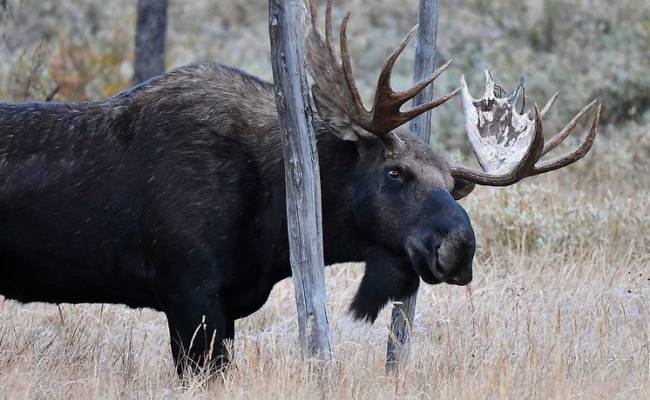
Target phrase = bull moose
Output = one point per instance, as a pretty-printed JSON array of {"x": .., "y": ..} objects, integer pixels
[{"x": 171, "y": 195}]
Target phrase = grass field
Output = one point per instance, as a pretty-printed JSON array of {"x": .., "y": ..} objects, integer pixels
[{"x": 560, "y": 303}]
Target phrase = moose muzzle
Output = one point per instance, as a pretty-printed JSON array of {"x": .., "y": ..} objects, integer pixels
[{"x": 443, "y": 248}]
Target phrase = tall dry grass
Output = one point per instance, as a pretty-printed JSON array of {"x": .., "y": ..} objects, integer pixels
[{"x": 560, "y": 304}]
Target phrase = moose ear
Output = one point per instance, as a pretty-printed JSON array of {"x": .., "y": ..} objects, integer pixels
[
  {"x": 338, "y": 121},
  {"x": 461, "y": 188}
]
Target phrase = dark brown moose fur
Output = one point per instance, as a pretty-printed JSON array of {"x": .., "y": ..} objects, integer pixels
[{"x": 171, "y": 196}]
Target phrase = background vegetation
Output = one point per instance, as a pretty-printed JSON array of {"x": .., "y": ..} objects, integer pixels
[{"x": 560, "y": 303}]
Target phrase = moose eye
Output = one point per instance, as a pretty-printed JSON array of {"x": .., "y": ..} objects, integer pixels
[{"x": 394, "y": 174}]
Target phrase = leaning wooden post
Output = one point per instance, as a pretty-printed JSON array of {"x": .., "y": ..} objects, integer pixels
[
  {"x": 399, "y": 339},
  {"x": 302, "y": 176}
]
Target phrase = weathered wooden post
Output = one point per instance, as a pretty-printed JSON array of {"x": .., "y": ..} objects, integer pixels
[
  {"x": 399, "y": 339},
  {"x": 302, "y": 178}
]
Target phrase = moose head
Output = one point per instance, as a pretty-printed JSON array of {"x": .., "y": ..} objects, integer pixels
[{"x": 406, "y": 192}]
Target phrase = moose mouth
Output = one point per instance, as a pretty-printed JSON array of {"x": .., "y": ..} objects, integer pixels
[{"x": 436, "y": 266}]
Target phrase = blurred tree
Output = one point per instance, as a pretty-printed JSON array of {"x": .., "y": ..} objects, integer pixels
[
  {"x": 150, "y": 39},
  {"x": 399, "y": 340}
]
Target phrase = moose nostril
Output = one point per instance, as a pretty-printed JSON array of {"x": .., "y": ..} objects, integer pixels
[
  {"x": 455, "y": 252},
  {"x": 450, "y": 249}
]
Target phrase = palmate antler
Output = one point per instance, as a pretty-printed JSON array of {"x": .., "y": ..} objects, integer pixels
[
  {"x": 334, "y": 86},
  {"x": 508, "y": 144}
]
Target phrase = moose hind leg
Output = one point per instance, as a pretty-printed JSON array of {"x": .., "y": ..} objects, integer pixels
[{"x": 197, "y": 330}]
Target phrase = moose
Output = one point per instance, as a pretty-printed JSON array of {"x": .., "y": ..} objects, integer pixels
[{"x": 171, "y": 195}]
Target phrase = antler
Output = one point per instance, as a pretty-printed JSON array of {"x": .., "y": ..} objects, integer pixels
[
  {"x": 508, "y": 144},
  {"x": 334, "y": 87}
]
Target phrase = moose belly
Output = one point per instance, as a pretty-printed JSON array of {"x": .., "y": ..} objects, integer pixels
[
  {"x": 50, "y": 278},
  {"x": 65, "y": 255},
  {"x": 244, "y": 300}
]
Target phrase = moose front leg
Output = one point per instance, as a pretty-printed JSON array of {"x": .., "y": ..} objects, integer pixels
[{"x": 198, "y": 328}]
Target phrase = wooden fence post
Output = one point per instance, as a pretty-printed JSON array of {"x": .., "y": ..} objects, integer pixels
[
  {"x": 302, "y": 177},
  {"x": 399, "y": 339}
]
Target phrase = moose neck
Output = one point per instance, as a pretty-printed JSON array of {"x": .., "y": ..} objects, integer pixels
[{"x": 337, "y": 158}]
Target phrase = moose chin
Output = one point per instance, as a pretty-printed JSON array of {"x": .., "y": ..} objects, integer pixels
[{"x": 171, "y": 195}]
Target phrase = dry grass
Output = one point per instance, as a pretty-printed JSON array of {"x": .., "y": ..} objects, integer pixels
[{"x": 560, "y": 304}]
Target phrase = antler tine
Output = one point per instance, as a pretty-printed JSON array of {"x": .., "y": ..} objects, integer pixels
[
  {"x": 549, "y": 104},
  {"x": 313, "y": 13},
  {"x": 412, "y": 92},
  {"x": 315, "y": 31},
  {"x": 489, "y": 83},
  {"x": 408, "y": 94},
  {"x": 346, "y": 63},
  {"x": 566, "y": 131},
  {"x": 415, "y": 111},
  {"x": 579, "y": 152},
  {"x": 512, "y": 99},
  {"x": 384, "y": 91},
  {"x": 328, "y": 23},
  {"x": 328, "y": 29}
]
